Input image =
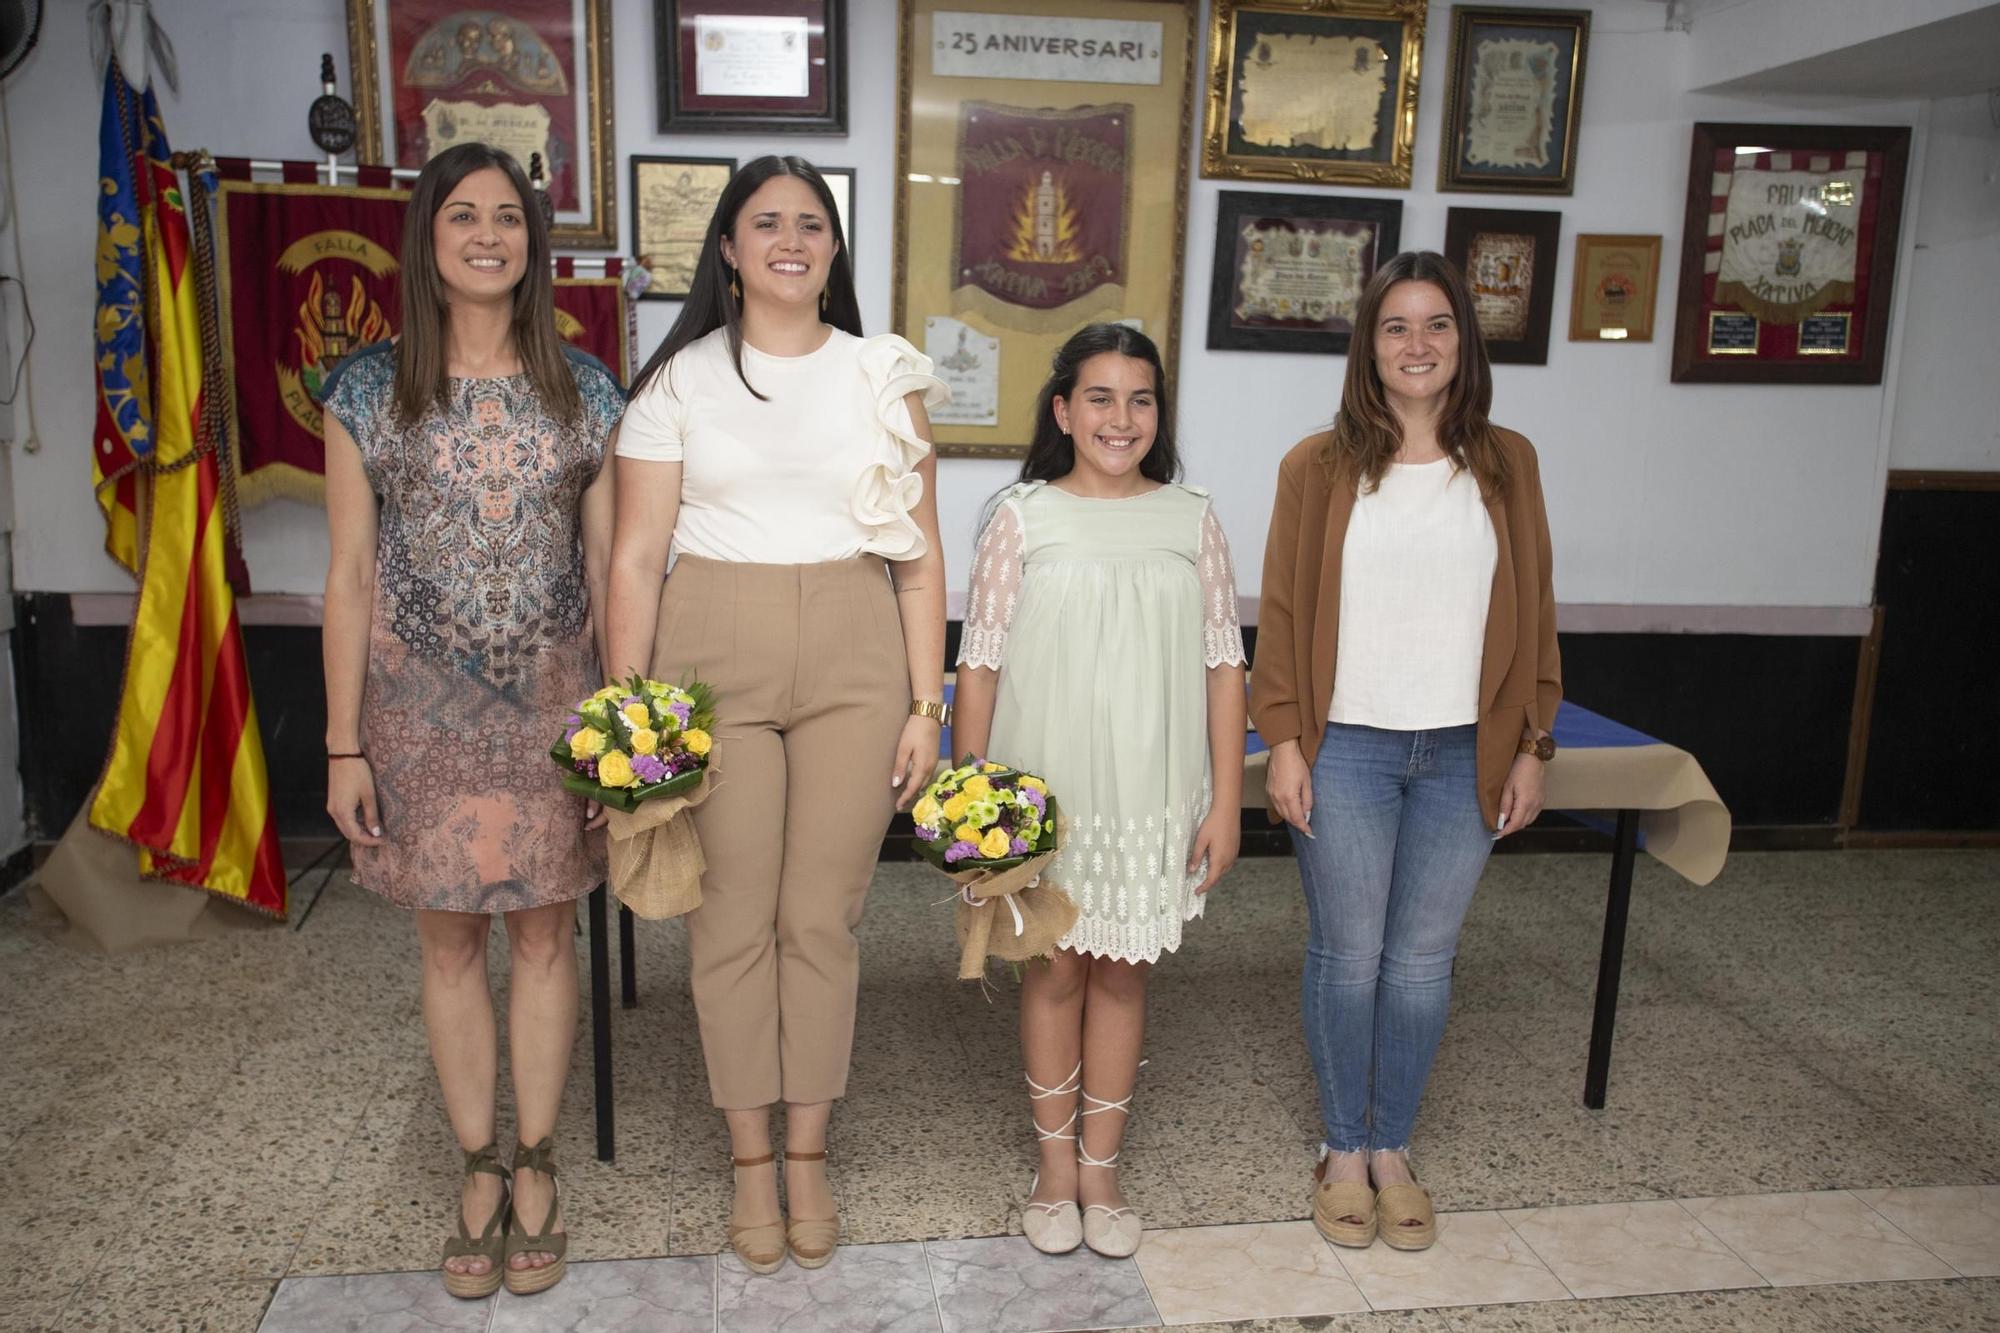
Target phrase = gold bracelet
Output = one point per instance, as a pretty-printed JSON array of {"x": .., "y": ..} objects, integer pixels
[{"x": 931, "y": 708}]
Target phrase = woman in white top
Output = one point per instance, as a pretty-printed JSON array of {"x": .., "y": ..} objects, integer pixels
[
  {"x": 1406, "y": 678},
  {"x": 785, "y": 463}
]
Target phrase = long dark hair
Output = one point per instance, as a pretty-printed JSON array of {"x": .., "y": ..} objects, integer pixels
[
  {"x": 1051, "y": 454},
  {"x": 1367, "y": 433},
  {"x": 422, "y": 370},
  {"x": 709, "y": 305}
]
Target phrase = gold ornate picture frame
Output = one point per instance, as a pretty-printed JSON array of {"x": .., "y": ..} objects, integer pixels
[
  {"x": 526, "y": 75},
  {"x": 1313, "y": 90},
  {"x": 1514, "y": 101},
  {"x": 1041, "y": 185}
]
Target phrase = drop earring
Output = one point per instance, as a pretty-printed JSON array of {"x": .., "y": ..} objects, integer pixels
[
  {"x": 822, "y": 300},
  {"x": 735, "y": 289}
]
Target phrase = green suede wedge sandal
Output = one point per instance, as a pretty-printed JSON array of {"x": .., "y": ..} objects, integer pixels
[
  {"x": 527, "y": 1281},
  {"x": 491, "y": 1244}
]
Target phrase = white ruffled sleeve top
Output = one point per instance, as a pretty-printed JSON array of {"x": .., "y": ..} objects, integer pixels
[{"x": 823, "y": 467}]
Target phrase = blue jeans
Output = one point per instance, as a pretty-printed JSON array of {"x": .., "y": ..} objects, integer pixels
[{"x": 1397, "y": 851}]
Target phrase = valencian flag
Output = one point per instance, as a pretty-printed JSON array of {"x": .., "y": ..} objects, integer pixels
[
  {"x": 123, "y": 437},
  {"x": 310, "y": 273},
  {"x": 185, "y": 781}
]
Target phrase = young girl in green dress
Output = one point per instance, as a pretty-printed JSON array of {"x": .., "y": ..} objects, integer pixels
[{"x": 1101, "y": 651}]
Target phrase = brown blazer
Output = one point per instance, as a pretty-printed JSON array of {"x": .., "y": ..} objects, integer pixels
[{"x": 1298, "y": 619}]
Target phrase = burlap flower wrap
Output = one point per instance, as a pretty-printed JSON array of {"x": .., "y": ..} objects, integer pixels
[
  {"x": 1010, "y": 914},
  {"x": 656, "y": 860}
]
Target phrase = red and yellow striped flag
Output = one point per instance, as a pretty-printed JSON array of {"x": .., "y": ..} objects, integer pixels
[{"x": 186, "y": 780}]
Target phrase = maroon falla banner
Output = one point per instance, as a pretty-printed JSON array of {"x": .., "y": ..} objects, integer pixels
[
  {"x": 311, "y": 273},
  {"x": 1042, "y": 205}
]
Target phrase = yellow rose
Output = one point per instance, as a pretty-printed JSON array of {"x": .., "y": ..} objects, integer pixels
[
  {"x": 637, "y": 714},
  {"x": 610, "y": 693},
  {"x": 978, "y": 788},
  {"x": 927, "y": 812},
  {"x": 586, "y": 743},
  {"x": 1035, "y": 783},
  {"x": 645, "y": 740},
  {"x": 697, "y": 741},
  {"x": 995, "y": 844},
  {"x": 615, "y": 770},
  {"x": 966, "y": 833},
  {"x": 954, "y": 809},
  {"x": 995, "y": 768}
]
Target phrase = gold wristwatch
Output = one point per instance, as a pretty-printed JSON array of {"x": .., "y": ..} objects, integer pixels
[{"x": 931, "y": 708}]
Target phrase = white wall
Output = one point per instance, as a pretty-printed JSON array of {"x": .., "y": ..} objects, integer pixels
[
  {"x": 1948, "y": 396},
  {"x": 1659, "y": 494}
]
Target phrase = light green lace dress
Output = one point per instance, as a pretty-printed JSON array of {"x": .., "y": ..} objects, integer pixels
[{"x": 1103, "y": 618}]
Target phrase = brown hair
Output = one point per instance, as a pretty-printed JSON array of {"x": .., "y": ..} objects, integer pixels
[
  {"x": 1367, "y": 433},
  {"x": 422, "y": 375}
]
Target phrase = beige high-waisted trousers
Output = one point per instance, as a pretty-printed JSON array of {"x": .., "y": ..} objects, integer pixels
[{"x": 812, "y": 688}]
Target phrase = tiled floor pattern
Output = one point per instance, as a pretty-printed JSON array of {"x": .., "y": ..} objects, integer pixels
[
  {"x": 187, "y": 1128},
  {"x": 1583, "y": 1255}
]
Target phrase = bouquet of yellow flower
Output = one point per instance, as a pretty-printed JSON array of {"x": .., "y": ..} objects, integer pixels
[
  {"x": 635, "y": 740},
  {"x": 994, "y": 830},
  {"x": 645, "y": 752}
]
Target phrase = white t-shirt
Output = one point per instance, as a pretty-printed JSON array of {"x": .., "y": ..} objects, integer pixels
[
  {"x": 823, "y": 470},
  {"x": 1416, "y": 574}
]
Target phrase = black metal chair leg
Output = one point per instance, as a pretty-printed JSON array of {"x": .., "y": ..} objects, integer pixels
[
  {"x": 600, "y": 1019},
  {"x": 628, "y": 960},
  {"x": 1611, "y": 961}
]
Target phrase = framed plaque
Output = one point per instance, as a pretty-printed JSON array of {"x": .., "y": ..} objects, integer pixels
[
  {"x": 1614, "y": 289},
  {"x": 1508, "y": 257},
  {"x": 1514, "y": 100},
  {"x": 673, "y": 199},
  {"x": 751, "y": 66},
  {"x": 1041, "y": 185},
  {"x": 529, "y": 76},
  {"x": 841, "y": 181},
  {"x": 1788, "y": 257},
  {"x": 1312, "y": 90},
  {"x": 1289, "y": 268}
]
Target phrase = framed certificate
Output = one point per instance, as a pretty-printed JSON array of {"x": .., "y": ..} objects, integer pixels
[
  {"x": 529, "y": 76},
  {"x": 1312, "y": 90},
  {"x": 1788, "y": 256},
  {"x": 841, "y": 181},
  {"x": 1614, "y": 289},
  {"x": 1508, "y": 257},
  {"x": 1041, "y": 185},
  {"x": 1515, "y": 97},
  {"x": 672, "y": 200},
  {"x": 1289, "y": 268},
  {"x": 753, "y": 66}
]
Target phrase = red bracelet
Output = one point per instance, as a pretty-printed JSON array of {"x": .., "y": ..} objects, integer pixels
[{"x": 356, "y": 755}]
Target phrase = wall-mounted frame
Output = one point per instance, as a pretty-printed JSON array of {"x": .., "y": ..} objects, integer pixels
[
  {"x": 841, "y": 181},
  {"x": 1312, "y": 90},
  {"x": 1289, "y": 268},
  {"x": 529, "y": 76},
  {"x": 1615, "y": 289},
  {"x": 751, "y": 66},
  {"x": 1508, "y": 256},
  {"x": 1039, "y": 186},
  {"x": 673, "y": 199},
  {"x": 1515, "y": 99},
  {"x": 1788, "y": 255}
]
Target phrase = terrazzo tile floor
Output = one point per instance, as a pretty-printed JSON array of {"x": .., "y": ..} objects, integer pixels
[{"x": 244, "y": 1133}]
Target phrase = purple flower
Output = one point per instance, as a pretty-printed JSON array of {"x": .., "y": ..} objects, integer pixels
[
  {"x": 682, "y": 710},
  {"x": 927, "y": 833},
  {"x": 1018, "y": 847},
  {"x": 574, "y": 722},
  {"x": 649, "y": 768},
  {"x": 959, "y": 851},
  {"x": 628, "y": 701},
  {"x": 1035, "y": 798}
]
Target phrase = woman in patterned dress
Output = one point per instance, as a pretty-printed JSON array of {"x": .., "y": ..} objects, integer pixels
[{"x": 470, "y": 518}]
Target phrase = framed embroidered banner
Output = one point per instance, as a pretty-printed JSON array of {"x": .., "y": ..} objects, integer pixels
[
  {"x": 751, "y": 66},
  {"x": 1289, "y": 268},
  {"x": 1788, "y": 256},
  {"x": 1041, "y": 184},
  {"x": 1313, "y": 90},
  {"x": 529, "y": 76},
  {"x": 1508, "y": 256},
  {"x": 310, "y": 273},
  {"x": 1514, "y": 100}
]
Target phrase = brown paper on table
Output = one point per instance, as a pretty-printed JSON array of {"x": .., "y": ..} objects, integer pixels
[
  {"x": 986, "y": 928},
  {"x": 656, "y": 859},
  {"x": 1684, "y": 820}
]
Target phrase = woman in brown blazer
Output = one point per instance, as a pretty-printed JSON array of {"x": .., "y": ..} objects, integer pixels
[{"x": 1406, "y": 678}]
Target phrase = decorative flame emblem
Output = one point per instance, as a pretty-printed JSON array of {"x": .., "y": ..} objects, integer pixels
[
  {"x": 329, "y": 329},
  {"x": 1046, "y": 227}
]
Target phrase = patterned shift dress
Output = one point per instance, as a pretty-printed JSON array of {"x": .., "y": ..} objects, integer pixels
[{"x": 480, "y": 638}]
